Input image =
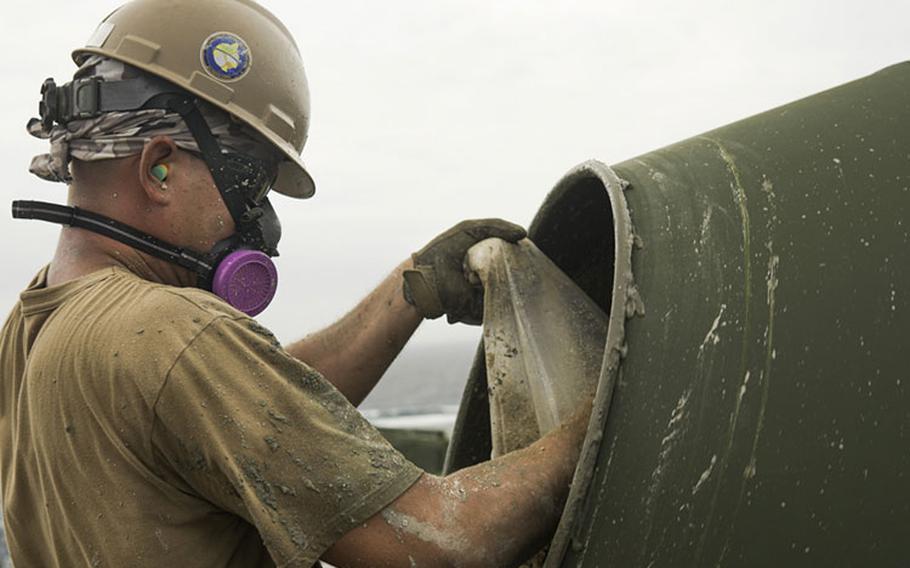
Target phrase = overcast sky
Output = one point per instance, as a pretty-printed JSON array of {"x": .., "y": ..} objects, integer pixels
[{"x": 429, "y": 112}]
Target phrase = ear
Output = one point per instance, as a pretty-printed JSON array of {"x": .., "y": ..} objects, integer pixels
[{"x": 158, "y": 150}]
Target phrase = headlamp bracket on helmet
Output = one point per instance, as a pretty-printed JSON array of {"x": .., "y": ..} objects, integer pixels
[
  {"x": 90, "y": 97},
  {"x": 77, "y": 100}
]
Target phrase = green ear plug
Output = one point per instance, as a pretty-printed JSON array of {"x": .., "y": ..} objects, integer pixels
[{"x": 160, "y": 172}]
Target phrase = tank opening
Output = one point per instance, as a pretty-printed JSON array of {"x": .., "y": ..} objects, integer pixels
[{"x": 575, "y": 229}]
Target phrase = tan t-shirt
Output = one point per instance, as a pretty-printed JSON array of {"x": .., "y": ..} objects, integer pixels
[{"x": 147, "y": 425}]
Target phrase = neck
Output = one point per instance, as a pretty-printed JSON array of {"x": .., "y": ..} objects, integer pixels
[{"x": 80, "y": 252}]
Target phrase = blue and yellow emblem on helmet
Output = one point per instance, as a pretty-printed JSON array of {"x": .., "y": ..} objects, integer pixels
[{"x": 226, "y": 57}]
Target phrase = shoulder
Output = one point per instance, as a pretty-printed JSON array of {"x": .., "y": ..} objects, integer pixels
[
  {"x": 165, "y": 318},
  {"x": 130, "y": 327},
  {"x": 149, "y": 316},
  {"x": 200, "y": 329},
  {"x": 151, "y": 301}
]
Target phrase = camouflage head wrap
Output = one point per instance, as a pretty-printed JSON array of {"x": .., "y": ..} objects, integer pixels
[{"x": 121, "y": 134}]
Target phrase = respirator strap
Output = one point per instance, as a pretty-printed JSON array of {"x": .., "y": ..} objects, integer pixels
[
  {"x": 105, "y": 226},
  {"x": 92, "y": 96},
  {"x": 234, "y": 198}
]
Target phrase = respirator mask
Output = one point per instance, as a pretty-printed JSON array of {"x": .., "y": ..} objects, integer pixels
[{"x": 239, "y": 269}]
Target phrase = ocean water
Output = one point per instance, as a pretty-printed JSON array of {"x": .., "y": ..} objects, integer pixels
[{"x": 424, "y": 379}]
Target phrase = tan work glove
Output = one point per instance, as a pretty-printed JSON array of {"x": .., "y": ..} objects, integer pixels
[{"x": 437, "y": 285}]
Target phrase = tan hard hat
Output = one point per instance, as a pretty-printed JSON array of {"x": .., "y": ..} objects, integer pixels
[{"x": 232, "y": 53}]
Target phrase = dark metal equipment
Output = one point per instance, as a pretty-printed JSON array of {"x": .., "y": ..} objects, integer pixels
[{"x": 754, "y": 404}]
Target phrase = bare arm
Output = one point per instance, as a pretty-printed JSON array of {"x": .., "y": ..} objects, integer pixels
[
  {"x": 354, "y": 352},
  {"x": 497, "y": 513}
]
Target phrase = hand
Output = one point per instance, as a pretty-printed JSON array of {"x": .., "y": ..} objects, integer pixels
[{"x": 437, "y": 285}]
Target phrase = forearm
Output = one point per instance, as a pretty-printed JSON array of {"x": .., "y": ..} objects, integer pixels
[
  {"x": 497, "y": 513},
  {"x": 354, "y": 352},
  {"x": 525, "y": 489}
]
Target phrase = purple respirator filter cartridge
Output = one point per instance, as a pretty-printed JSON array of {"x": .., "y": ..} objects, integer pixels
[{"x": 247, "y": 280}]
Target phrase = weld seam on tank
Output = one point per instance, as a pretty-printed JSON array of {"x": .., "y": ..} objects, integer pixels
[{"x": 626, "y": 303}]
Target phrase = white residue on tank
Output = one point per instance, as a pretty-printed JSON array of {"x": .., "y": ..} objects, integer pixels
[
  {"x": 751, "y": 469},
  {"x": 767, "y": 187},
  {"x": 742, "y": 389},
  {"x": 705, "y": 475},
  {"x": 676, "y": 417},
  {"x": 674, "y": 429},
  {"x": 635, "y": 306},
  {"x": 772, "y": 281},
  {"x": 840, "y": 172},
  {"x": 713, "y": 338},
  {"x": 659, "y": 177},
  {"x": 706, "y": 224}
]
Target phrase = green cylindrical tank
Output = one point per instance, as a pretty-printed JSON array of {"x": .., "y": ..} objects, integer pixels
[{"x": 753, "y": 408}]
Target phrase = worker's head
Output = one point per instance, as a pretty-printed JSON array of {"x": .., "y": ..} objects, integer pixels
[
  {"x": 203, "y": 107},
  {"x": 234, "y": 54}
]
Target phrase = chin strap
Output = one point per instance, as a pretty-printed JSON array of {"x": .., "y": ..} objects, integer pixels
[{"x": 75, "y": 217}]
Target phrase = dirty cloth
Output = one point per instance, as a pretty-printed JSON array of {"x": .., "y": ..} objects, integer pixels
[
  {"x": 147, "y": 425},
  {"x": 544, "y": 340},
  {"x": 121, "y": 134}
]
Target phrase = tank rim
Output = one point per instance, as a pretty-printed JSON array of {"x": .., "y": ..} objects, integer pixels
[{"x": 624, "y": 296}]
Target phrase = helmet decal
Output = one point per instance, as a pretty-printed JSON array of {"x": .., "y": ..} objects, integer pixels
[{"x": 226, "y": 56}]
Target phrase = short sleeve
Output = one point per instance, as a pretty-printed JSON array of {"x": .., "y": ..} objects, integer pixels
[{"x": 264, "y": 436}]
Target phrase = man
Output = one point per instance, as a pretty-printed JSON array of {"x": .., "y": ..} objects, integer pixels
[{"x": 146, "y": 418}]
